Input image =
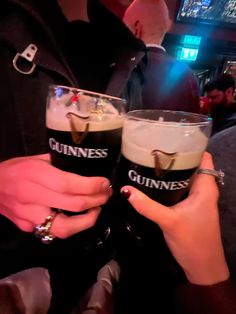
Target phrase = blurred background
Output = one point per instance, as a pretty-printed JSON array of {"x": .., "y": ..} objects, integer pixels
[{"x": 203, "y": 35}]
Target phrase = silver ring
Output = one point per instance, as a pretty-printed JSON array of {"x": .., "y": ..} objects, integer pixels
[
  {"x": 42, "y": 231},
  {"x": 219, "y": 175}
]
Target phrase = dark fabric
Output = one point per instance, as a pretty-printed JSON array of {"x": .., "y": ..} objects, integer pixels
[
  {"x": 23, "y": 97},
  {"x": 149, "y": 276},
  {"x": 169, "y": 84},
  {"x": 24, "y": 292},
  {"x": 100, "y": 298},
  {"x": 223, "y": 118},
  {"x": 215, "y": 299},
  {"x": 222, "y": 146},
  {"x": 157, "y": 81},
  {"x": 90, "y": 59},
  {"x": 10, "y": 299}
]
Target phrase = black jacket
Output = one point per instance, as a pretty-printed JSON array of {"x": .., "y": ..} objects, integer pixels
[
  {"x": 223, "y": 118},
  {"x": 23, "y": 96},
  {"x": 22, "y": 122}
]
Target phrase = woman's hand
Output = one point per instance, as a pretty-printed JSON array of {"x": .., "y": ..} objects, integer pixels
[
  {"x": 191, "y": 228},
  {"x": 31, "y": 186}
]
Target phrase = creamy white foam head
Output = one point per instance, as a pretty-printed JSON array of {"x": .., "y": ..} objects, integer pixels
[
  {"x": 140, "y": 138},
  {"x": 57, "y": 117}
]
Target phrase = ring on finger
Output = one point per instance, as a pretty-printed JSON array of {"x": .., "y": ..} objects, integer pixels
[
  {"x": 218, "y": 174},
  {"x": 42, "y": 231}
]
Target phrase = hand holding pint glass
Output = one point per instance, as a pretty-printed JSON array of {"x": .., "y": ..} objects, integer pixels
[
  {"x": 84, "y": 130},
  {"x": 161, "y": 150}
]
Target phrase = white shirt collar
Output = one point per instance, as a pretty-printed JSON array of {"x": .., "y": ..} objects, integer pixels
[{"x": 156, "y": 46}]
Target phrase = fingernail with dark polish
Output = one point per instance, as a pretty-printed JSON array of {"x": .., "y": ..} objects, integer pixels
[{"x": 126, "y": 193}]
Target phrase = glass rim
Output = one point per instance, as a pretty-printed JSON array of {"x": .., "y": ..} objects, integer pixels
[
  {"x": 206, "y": 120},
  {"x": 87, "y": 92}
]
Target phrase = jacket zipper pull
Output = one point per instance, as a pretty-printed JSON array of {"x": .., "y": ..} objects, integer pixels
[{"x": 29, "y": 55}]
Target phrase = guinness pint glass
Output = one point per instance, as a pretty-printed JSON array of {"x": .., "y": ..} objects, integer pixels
[
  {"x": 84, "y": 130},
  {"x": 161, "y": 150}
]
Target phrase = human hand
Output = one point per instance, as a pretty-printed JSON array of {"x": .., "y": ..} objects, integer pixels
[
  {"x": 191, "y": 227},
  {"x": 31, "y": 186}
]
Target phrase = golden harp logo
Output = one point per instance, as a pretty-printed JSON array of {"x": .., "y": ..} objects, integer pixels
[
  {"x": 163, "y": 162},
  {"x": 77, "y": 137}
]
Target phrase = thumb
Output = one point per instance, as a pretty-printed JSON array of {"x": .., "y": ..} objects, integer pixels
[{"x": 147, "y": 207}]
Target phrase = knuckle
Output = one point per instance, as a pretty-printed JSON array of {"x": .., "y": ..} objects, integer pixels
[
  {"x": 63, "y": 185},
  {"x": 80, "y": 207},
  {"x": 31, "y": 164},
  {"x": 24, "y": 226},
  {"x": 19, "y": 191},
  {"x": 105, "y": 198},
  {"x": 88, "y": 221},
  {"x": 91, "y": 222},
  {"x": 59, "y": 228},
  {"x": 16, "y": 208},
  {"x": 20, "y": 167},
  {"x": 62, "y": 233},
  {"x": 92, "y": 217},
  {"x": 173, "y": 224},
  {"x": 82, "y": 204}
]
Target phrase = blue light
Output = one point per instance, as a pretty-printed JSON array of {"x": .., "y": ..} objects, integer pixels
[
  {"x": 206, "y": 2},
  {"x": 58, "y": 92}
]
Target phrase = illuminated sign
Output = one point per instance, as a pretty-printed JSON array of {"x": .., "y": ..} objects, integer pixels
[
  {"x": 187, "y": 54},
  {"x": 191, "y": 40}
]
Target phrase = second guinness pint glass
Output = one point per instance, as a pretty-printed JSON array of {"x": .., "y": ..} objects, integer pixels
[
  {"x": 161, "y": 150},
  {"x": 84, "y": 130}
]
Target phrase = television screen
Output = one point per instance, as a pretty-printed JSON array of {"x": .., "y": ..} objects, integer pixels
[{"x": 213, "y": 12}]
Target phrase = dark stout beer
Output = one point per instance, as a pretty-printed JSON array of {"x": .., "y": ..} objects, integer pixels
[
  {"x": 167, "y": 190},
  {"x": 159, "y": 159},
  {"x": 96, "y": 155},
  {"x": 84, "y": 131}
]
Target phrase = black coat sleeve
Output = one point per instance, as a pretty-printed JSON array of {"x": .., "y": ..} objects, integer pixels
[{"x": 216, "y": 299}]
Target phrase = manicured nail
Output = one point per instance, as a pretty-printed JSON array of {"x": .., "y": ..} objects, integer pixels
[
  {"x": 106, "y": 186},
  {"x": 126, "y": 193}
]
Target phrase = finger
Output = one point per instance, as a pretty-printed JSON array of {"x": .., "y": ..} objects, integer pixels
[
  {"x": 18, "y": 160},
  {"x": 205, "y": 180},
  {"x": 45, "y": 157},
  {"x": 22, "y": 224},
  {"x": 65, "y": 226},
  {"x": 147, "y": 207},
  {"x": 207, "y": 161},
  {"x": 32, "y": 213},
  {"x": 42, "y": 172},
  {"x": 31, "y": 193},
  {"x": 64, "y": 182}
]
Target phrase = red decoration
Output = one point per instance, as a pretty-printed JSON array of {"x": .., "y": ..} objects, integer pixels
[{"x": 75, "y": 98}]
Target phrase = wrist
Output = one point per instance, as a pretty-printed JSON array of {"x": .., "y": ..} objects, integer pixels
[{"x": 208, "y": 273}]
